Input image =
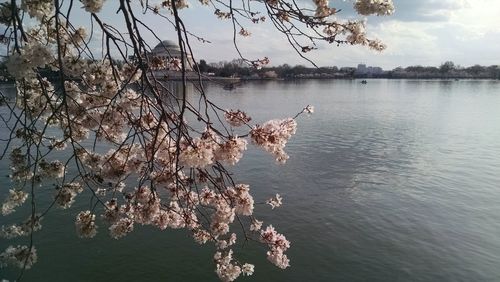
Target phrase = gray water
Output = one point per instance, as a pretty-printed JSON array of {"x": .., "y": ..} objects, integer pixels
[{"x": 395, "y": 180}]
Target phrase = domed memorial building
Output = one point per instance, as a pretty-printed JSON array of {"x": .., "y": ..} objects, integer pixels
[{"x": 166, "y": 55}]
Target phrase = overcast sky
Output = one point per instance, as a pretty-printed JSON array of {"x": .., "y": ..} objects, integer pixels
[{"x": 421, "y": 32}]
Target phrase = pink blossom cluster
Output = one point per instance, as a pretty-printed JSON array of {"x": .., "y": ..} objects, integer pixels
[
  {"x": 275, "y": 201},
  {"x": 65, "y": 195},
  {"x": 273, "y": 135},
  {"x": 180, "y": 4},
  {"x": 85, "y": 224},
  {"x": 205, "y": 150},
  {"x": 23, "y": 229},
  {"x": 231, "y": 151},
  {"x": 92, "y": 6},
  {"x": 54, "y": 169},
  {"x": 322, "y": 9},
  {"x": 278, "y": 244},
  {"x": 199, "y": 153},
  {"x": 355, "y": 34},
  {"x": 235, "y": 200},
  {"x": 38, "y": 9},
  {"x": 227, "y": 270},
  {"x": 121, "y": 227},
  {"x": 377, "y": 7},
  {"x": 33, "y": 55},
  {"x": 19, "y": 168},
  {"x": 256, "y": 225},
  {"x": 245, "y": 33},
  {"x": 236, "y": 117},
  {"x": 20, "y": 256},
  {"x": 13, "y": 200}
]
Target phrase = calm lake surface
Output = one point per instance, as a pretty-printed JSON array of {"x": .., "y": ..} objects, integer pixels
[{"x": 395, "y": 180}]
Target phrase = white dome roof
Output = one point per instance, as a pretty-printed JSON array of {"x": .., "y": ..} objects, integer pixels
[{"x": 166, "y": 44}]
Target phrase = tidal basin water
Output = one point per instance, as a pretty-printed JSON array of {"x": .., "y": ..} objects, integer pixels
[{"x": 395, "y": 180}]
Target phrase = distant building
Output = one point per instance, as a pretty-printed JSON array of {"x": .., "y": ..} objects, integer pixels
[
  {"x": 363, "y": 70},
  {"x": 170, "y": 53}
]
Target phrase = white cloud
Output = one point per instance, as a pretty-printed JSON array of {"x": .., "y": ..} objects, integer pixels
[{"x": 480, "y": 17}]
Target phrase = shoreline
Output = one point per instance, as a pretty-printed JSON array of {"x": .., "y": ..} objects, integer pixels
[{"x": 232, "y": 80}]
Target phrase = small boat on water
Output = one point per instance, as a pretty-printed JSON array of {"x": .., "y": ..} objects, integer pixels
[{"x": 364, "y": 81}]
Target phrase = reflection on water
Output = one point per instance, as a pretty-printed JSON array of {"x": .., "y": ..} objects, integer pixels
[{"x": 394, "y": 180}]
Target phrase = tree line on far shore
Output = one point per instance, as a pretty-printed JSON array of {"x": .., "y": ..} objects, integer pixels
[
  {"x": 238, "y": 68},
  {"x": 447, "y": 70}
]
